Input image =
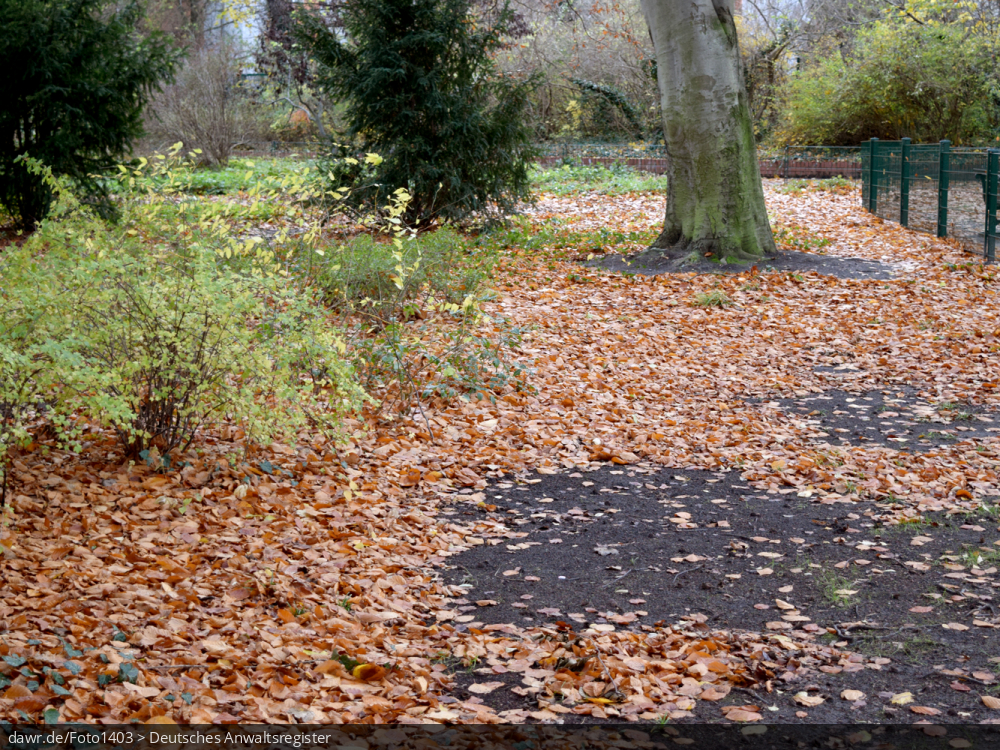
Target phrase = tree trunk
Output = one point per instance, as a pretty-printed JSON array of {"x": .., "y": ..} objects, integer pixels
[{"x": 715, "y": 202}]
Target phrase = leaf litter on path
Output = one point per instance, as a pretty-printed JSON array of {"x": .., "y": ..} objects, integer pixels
[{"x": 313, "y": 594}]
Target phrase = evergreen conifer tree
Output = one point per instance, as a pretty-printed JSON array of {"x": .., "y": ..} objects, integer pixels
[
  {"x": 421, "y": 89},
  {"x": 77, "y": 76}
]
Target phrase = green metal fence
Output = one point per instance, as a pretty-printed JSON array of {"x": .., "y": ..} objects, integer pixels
[{"x": 950, "y": 192}]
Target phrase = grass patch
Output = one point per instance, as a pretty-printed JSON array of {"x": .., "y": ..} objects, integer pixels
[
  {"x": 520, "y": 234},
  {"x": 838, "y": 185},
  {"x": 913, "y": 646},
  {"x": 613, "y": 180},
  {"x": 375, "y": 278},
  {"x": 240, "y": 175},
  {"x": 832, "y": 585},
  {"x": 936, "y": 435},
  {"x": 980, "y": 557},
  {"x": 715, "y": 298},
  {"x": 798, "y": 238}
]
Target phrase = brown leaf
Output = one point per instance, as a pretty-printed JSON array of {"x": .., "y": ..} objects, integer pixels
[
  {"x": 16, "y": 691},
  {"x": 740, "y": 715},
  {"x": 483, "y": 688},
  {"x": 805, "y": 699},
  {"x": 368, "y": 672}
]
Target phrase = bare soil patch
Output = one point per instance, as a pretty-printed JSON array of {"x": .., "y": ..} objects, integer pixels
[
  {"x": 652, "y": 262},
  {"x": 631, "y": 547}
]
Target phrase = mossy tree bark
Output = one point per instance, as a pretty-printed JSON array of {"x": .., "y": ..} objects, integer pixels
[{"x": 715, "y": 201}]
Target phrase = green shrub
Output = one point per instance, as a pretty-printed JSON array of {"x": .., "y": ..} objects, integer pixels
[
  {"x": 157, "y": 344},
  {"x": 924, "y": 82},
  {"x": 30, "y": 355},
  {"x": 380, "y": 280},
  {"x": 411, "y": 307}
]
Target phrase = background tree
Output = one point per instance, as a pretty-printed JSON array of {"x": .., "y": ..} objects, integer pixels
[
  {"x": 210, "y": 106},
  {"x": 290, "y": 71},
  {"x": 715, "y": 202},
  {"x": 420, "y": 88},
  {"x": 77, "y": 77}
]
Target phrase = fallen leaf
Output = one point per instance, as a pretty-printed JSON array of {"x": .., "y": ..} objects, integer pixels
[
  {"x": 741, "y": 715},
  {"x": 368, "y": 672},
  {"x": 16, "y": 691},
  {"x": 803, "y": 698},
  {"x": 483, "y": 688}
]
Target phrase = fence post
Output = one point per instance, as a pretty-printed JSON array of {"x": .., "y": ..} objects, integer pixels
[
  {"x": 944, "y": 165},
  {"x": 872, "y": 186},
  {"x": 904, "y": 182},
  {"x": 992, "y": 174},
  {"x": 784, "y": 165}
]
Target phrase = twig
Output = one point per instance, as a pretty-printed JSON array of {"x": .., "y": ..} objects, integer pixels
[
  {"x": 3, "y": 488},
  {"x": 696, "y": 567},
  {"x": 615, "y": 580},
  {"x": 607, "y": 671},
  {"x": 959, "y": 677}
]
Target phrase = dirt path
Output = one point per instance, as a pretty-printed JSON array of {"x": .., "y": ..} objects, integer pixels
[{"x": 317, "y": 583}]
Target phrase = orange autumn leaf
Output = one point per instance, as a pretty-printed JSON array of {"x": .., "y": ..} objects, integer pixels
[
  {"x": 368, "y": 672},
  {"x": 16, "y": 691}
]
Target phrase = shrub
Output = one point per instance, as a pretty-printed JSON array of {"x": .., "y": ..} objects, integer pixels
[
  {"x": 210, "y": 108},
  {"x": 421, "y": 89},
  {"x": 76, "y": 79},
  {"x": 158, "y": 342},
  {"x": 923, "y": 82},
  {"x": 411, "y": 306},
  {"x": 382, "y": 281},
  {"x": 29, "y": 356}
]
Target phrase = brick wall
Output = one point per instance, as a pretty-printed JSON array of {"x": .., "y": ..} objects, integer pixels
[{"x": 768, "y": 167}]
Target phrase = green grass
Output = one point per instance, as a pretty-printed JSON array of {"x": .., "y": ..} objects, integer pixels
[
  {"x": 375, "y": 278},
  {"x": 715, "y": 298},
  {"x": 520, "y": 235},
  {"x": 829, "y": 583},
  {"x": 240, "y": 175},
  {"x": 981, "y": 557},
  {"x": 830, "y": 184},
  {"x": 614, "y": 180}
]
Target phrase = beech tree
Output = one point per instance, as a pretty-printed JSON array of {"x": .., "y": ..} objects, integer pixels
[{"x": 715, "y": 201}]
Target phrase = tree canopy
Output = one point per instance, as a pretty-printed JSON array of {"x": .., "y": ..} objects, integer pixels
[
  {"x": 77, "y": 78},
  {"x": 421, "y": 89}
]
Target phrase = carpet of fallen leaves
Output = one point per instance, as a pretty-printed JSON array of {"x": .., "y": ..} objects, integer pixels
[{"x": 300, "y": 584}]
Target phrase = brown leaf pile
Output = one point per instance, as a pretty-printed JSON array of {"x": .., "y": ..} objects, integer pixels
[{"x": 301, "y": 584}]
